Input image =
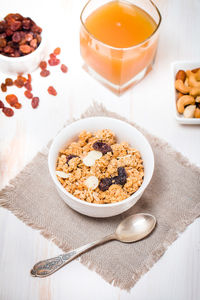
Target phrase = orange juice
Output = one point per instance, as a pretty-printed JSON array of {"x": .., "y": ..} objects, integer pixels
[{"x": 115, "y": 41}]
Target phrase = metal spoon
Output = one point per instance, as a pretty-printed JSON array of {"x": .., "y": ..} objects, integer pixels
[{"x": 131, "y": 229}]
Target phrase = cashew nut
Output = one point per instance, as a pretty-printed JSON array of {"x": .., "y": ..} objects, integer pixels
[
  {"x": 195, "y": 91},
  {"x": 192, "y": 79},
  {"x": 180, "y": 86},
  {"x": 197, "y": 113},
  {"x": 197, "y": 99},
  {"x": 183, "y": 101},
  {"x": 189, "y": 111},
  {"x": 181, "y": 75}
]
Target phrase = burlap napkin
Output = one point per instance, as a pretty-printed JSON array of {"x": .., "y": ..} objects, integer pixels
[{"x": 172, "y": 196}]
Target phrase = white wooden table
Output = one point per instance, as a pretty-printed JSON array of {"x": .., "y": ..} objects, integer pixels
[{"x": 176, "y": 275}]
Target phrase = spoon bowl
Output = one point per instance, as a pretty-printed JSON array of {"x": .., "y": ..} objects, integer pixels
[{"x": 135, "y": 228}]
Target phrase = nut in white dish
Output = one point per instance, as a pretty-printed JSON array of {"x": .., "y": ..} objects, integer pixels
[
  {"x": 91, "y": 157},
  {"x": 92, "y": 182},
  {"x": 62, "y": 174}
]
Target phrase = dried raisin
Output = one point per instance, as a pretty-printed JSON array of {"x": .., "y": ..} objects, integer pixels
[
  {"x": 8, "y": 111},
  {"x": 54, "y": 61},
  {"x": 70, "y": 156},
  {"x": 3, "y": 87},
  {"x": 102, "y": 147},
  {"x": 52, "y": 91},
  {"x": 44, "y": 73},
  {"x": 64, "y": 68},
  {"x": 28, "y": 86},
  {"x": 28, "y": 94},
  {"x": 17, "y": 105},
  {"x": 43, "y": 65},
  {"x": 35, "y": 102},
  {"x": 105, "y": 183},
  {"x": 1, "y": 104},
  {"x": 57, "y": 51},
  {"x": 11, "y": 99},
  {"x": 9, "y": 82}
]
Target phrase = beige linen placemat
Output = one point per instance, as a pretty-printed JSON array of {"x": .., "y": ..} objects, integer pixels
[{"x": 173, "y": 196}]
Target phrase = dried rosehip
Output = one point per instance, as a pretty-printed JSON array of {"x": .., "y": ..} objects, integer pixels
[
  {"x": 28, "y": 94},
  {"x": 35, "y": 102},
  {"x": 9, "y": 82},
  {"x": 1, "y": 104},
  {"x": 70, "y": 156},
  {"x": 64, "y": 68},
  {"x": 57, "y": 51},
  {"x": 102, "y": 147},
  {"x": 11, "y": 99},
  {"x": 8, "y": 111},
  {"x": 44, "y": 73},
  {"x": 43, "y": 65},
  {"x": 3, "y": 87},
  {"x": 105, "y": 183},
  {"x": 28, "y": 86},
  {"x": 52, "y": 91}
]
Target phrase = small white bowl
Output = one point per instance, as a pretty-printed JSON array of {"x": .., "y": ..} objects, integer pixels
[
  {"x": 175, "y": 67},
  {"x": 124, "y": 132},
  {"x": 24, "y": 64}
]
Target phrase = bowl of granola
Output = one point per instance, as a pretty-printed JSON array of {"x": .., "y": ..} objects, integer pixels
[{"x": 100, "y": 165}]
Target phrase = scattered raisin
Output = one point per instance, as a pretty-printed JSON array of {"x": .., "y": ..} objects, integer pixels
[
  {"x": 11, "y": 99},
  {"x": 1, "y": 104},
  {"x": 70, "y": 156},
  {"x": 28, "y": 94},
  {"x": 44, "y": 73},
  {"x": 64, "y": 68},
  {"x": 9, "y": 82},
  {"x": 43, "y": 65},
  {"x": 19, "y": 83},
  {"x": 17, "y": 105},
  {"x": 8, "y": 111},
  {"x": 28, "y": 86},
  {"x": 54, "y": 61},
  {"x": 57, "y": 51},
  {"x": 52, "y": 91},
  {"x": 3, "y": 87},
  {"x": 102, "y": 147},
  {"x": 35, "y": 102},
  {"x": 29, "y": 78}
]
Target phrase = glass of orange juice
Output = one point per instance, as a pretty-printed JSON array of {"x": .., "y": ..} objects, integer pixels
[{"x": 118, "y": 40}]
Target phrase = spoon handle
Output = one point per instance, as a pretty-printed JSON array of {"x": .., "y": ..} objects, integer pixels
[{"x": 47, "y": 267}]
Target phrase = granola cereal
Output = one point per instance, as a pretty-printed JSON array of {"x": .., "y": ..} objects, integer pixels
[{"x": 97, "y": 169}]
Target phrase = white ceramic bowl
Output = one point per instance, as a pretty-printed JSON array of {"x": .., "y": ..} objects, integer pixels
[
  {"x": 24, "y": 64},
  {"x": 124, "y": 132},
  {"x": 175, "y": 67}
]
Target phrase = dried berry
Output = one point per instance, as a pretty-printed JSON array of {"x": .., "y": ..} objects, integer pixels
[
  {"x": 19, "y": 83},
  {"x": 2, "y": 42},
  {"x": 43, "y": 65},
  {"x": 11, "y": 99},
  {"x": 57, "y": 51},
  {"x": 52, "y": 91},
  {"x": 54, "y": 61},
  {"x": 8, "y": 50},
  {"x": 29, "y": 37},
  {"x": 105, "y": 183},
  {"x": 3, "y": 87},
  {"x": 102, "y": 147},
  {"x": 29, "y": 78},
  {"x": 8, "y": 111},
  {"x": 28, "y": 94},
  {"x": 1, "y": 104},
  {"x": 44, "y": 73},
  {"x": 16, "y": 37},
  {"x": 28, "y": 86},
  {"x": 16, "y": 25},
  {"x": 17, "y": 105},
  {"x": 122, "y": 176},
  {"x": 33, "y": 43},
  {"x": 70, "y": 156},
  {"x": 9, "y": 82},
  {"x": 35, "y": 102},
  {"x": 25, "y": 49},
  {"x": 64, "y": 68}
]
